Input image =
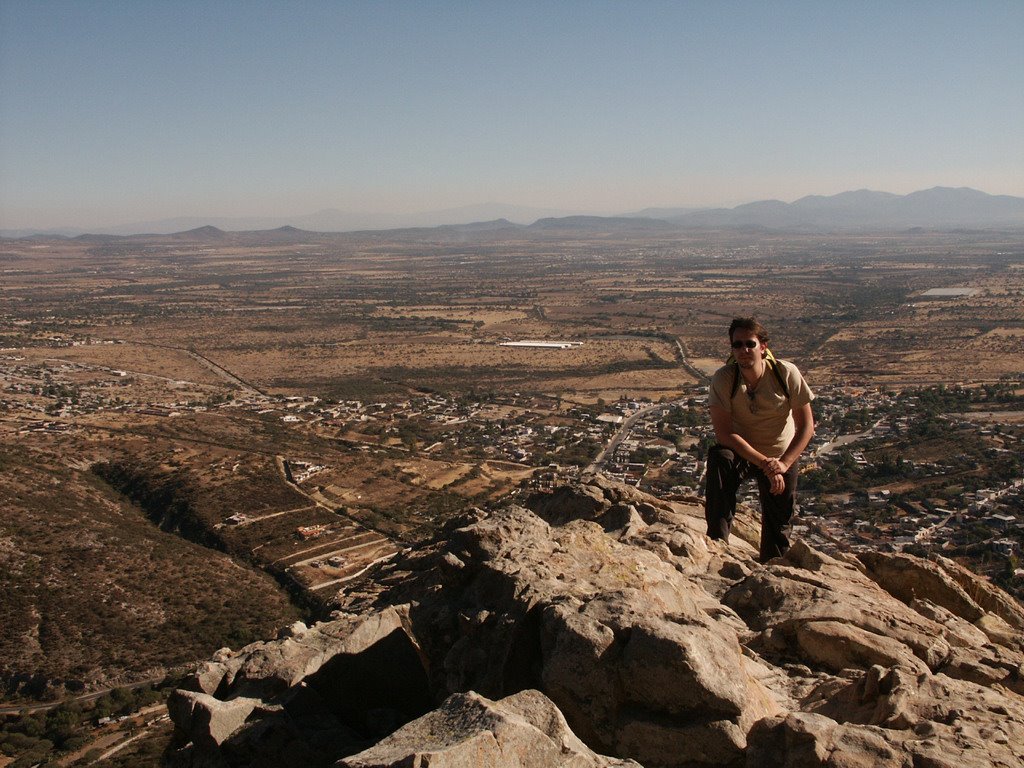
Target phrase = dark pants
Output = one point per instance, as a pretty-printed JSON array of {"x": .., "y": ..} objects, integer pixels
[{"x": 726, "y": 472}]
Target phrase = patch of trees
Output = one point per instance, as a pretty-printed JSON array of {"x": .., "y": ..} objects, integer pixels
[
  {"x": 402, "y": 324},
  {"x": 685, "y": 417},
  {"x": 38, "y": 738}
]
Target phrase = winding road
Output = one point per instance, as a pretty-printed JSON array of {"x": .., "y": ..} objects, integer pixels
[{"x": 630, "y": 422}]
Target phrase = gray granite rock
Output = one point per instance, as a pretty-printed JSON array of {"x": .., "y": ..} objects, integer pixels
[
  {"x": 645, "y": 640},
  {"x": 524, "y": 730}
]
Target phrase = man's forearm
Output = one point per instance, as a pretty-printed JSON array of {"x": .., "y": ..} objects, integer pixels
[{"x": 796, "y": 446}]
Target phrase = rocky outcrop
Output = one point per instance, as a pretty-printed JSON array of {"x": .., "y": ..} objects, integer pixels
[
  {"x": 603, "y": 623},
  {"x": 524, "y": 730}
]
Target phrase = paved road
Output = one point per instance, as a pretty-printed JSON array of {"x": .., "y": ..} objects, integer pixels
[
  {"x": 27, "y": 709},
  {"x": 623, "y": 433},
  {"x": 251, "y": 520},
  {"x": 627, "y": 425},
  {"x": 219, "y": 370},
  {"x": 224, "y": 373},
  {"x": 842, "y": 440},
  {"x": 684, "y": 360}
]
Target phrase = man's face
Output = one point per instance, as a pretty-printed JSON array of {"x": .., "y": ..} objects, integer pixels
[{"x": 746, "y": 347}]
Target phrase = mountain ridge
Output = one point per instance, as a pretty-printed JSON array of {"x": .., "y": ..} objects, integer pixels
[
  {"x": 935, "y": 208},
  {"x": 941, "y": 208}
]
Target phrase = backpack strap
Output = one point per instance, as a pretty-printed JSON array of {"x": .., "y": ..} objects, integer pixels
[{"x": 777, "y": 370}]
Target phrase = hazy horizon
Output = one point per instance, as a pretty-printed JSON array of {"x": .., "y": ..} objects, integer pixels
[
  {"x": 333, "y": 220},
  {"x": 113, "y": 114}
]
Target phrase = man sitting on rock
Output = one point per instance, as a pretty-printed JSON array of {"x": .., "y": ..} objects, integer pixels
[{"x": 761, "y": 413}]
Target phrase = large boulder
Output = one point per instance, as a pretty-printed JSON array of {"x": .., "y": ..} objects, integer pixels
[
  {"x": 640, "y": 662},
  {"x": 947, "y": 584},
  {"x": 524, "y": 730},
  {"x": 645, "y": 641},
  {"x": 208, "y": 721},
  {"x": 839, "y": 614},
  {"x": 267, "y": 668},
  {"x": 895, "y": 718}
]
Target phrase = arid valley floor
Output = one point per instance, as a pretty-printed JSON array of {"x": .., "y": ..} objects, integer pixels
[{"x": 204, "y": 436}]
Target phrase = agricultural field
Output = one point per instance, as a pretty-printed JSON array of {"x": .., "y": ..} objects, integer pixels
[{"x": 304, "y": 405}]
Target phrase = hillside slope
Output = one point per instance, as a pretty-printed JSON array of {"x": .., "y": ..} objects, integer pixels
[{"x": 95, "y": 594}]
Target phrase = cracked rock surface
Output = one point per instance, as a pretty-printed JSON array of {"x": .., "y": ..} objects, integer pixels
[{"x": 599, "y": 627}]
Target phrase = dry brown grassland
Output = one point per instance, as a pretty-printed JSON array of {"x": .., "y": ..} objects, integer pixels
[{"x": 172, "y": 358}]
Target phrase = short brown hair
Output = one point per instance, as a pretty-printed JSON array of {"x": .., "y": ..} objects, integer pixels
[{"x": 749, "y": 324}]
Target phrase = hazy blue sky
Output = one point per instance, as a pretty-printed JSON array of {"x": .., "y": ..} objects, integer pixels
[{"x": 119, "y": 111}]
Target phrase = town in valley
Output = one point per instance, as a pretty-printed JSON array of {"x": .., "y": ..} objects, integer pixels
[{"x": 217, "y": 431}]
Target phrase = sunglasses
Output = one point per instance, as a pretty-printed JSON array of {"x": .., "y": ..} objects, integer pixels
[{"x": 749, "y": 344}]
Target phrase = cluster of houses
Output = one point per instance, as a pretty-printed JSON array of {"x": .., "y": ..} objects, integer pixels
[
  {"x": 984, "y": 525},
  {"x": 537, "y": 430}
]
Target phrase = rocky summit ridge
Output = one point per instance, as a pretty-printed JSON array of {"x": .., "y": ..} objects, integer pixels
[{"x": 598, "y": 626}]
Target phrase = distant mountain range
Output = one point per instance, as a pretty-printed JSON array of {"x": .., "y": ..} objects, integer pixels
[
  {"x": 937, "y": 208},
  {"x": 328, "y": 220},
  {"x": 940, "y": 208}
]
